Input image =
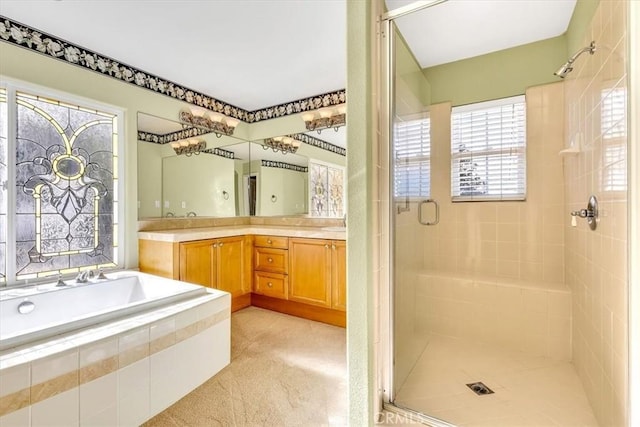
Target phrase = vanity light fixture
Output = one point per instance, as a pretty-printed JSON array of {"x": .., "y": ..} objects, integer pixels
[
  {"x": 188, "y": 146},
  {"x": 211, "y": 121},
  {"x": 324, "y": 118},
  {"x": 285, "y": 144}
]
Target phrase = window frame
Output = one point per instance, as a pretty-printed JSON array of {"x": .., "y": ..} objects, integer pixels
[
  {"x": 12, "y": 86},
  {"x": 499, "y": 151}
]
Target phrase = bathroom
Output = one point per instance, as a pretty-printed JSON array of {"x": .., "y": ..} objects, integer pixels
[{"x": 369, "y": 221}]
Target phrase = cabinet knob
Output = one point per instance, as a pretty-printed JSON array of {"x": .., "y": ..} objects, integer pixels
[
  {"x": 221, "y": 244},
  {"x": 215, "y": 245},
  {"x": 270, "y": 285},
  {"x": 269, "y": 241},
  {"x": 333, "y": 247},
  {"x": 270, "y": 259},
  {"x": 326, "y": 246}
]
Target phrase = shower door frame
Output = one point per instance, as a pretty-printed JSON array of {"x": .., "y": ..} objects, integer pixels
[
  {"x": 386, "y": 50},
  {"x": 386, "y": 45}
]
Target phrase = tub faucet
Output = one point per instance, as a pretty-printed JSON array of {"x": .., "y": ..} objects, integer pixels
[
  {"x": 192, "y": 213},
  {"x": 84, "y": 276}
]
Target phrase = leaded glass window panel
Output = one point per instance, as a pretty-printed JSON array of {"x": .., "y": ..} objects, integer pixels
[
  {"x": 66, "y": 181},
  {"x": 3, "y": 184}
]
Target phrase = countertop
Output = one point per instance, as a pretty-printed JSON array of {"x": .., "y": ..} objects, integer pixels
[{"x": 202, "y": 233}]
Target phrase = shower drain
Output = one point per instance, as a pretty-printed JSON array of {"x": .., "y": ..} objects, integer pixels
[{"x": 479, "y": 388}]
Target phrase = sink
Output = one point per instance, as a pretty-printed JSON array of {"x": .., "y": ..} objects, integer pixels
[{"x": 334, "y": 228}]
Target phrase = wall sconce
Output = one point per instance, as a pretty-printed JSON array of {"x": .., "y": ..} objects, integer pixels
[
  {"x": 326, "y": 118},
  {"x": 188, "y": 147},
  {"x": 285, "y": 144},
  {"x": 213, "y": 122}
]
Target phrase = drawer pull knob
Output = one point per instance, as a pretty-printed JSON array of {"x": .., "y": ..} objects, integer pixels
[
  {"x": 270, "y": 259},
  {"x": 269, "y": 241},
  {"x": 221, "y": 244},
  {"x": 215, "y": 245},
  {"x": 326, "y": 246},
  {"x": 270, "y": 285}
]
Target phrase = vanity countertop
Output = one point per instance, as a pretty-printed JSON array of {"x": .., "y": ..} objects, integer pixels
[{"x": 202, "y": 233}]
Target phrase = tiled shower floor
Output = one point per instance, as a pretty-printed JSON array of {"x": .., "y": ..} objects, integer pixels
[{"x": 529, "y": 390}]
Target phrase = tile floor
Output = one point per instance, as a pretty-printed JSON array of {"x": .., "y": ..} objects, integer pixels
[
  {"x": 529, "y": 390},
  {"x": 284, "y": 371}
]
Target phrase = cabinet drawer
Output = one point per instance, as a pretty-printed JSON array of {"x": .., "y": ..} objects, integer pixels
[
  {"x": 271, "y": 284},
  {"x": 273, "y": 260},
  {"x": 272, "y": 242}
]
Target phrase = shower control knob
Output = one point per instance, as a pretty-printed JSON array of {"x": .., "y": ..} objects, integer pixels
[{"x": 583, "y": 213}]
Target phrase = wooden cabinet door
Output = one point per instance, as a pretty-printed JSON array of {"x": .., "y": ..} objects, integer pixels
[
  {"x": 310, "y": 271},
  {"x": 339, "y": 275},
  {"x": 232, "y": 264},
  {"x": 197, "y": 262}
]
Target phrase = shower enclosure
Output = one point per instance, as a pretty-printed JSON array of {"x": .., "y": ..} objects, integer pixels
[{"x": 504, "y": 311}]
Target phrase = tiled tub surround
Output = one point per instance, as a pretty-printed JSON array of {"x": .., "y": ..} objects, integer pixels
[
  {"x": 117, "y": 373},
  {"x": 531, "y": 317}
]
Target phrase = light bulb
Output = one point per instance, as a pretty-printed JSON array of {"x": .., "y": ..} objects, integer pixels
[
  {"x": 342, "y": 109},
  {"x": 197, "y": 112},
  {"x": 184, "y": 143},
  {"x": 307, "y": 117},
  {"x": 232, "y": 123},
  {"x": 325, "y": 113},
  {"x": 215, "y": 117},
  {"x": 175, "y": 145}
]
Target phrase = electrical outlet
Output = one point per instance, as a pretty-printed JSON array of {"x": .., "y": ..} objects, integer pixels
[
  {"x": 166, "y": 203},
  {"x": 157, "y": 204},
  {"x": 184, "y": 205}
]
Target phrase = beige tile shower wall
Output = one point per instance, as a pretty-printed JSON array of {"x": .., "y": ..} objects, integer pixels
[
  {"x": 596, "y": 261},
  {"x": 519, "y": 240}
]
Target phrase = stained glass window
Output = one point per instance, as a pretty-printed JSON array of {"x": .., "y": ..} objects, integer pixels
[
  {"x": 66, "y": 187},
  {"x": 3, "y": 184}
]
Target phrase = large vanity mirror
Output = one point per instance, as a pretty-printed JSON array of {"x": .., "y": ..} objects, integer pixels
[{"x": 222, "y": 176}]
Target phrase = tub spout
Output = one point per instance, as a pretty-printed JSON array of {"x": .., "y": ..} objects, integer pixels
[
  {"x": 84, "y": 276},
  {"x": 60, "y": 282}
]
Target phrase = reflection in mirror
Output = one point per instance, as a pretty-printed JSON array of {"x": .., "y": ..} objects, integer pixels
[
  {"x": 206, "y": 182},
  {"x": 233, "y": 177},
  {"x": 309, "y": 182}
]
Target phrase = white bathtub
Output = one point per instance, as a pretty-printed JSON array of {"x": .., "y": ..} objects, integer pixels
[
  {"x": 58, "y": 310},
  {"x": 108, "y": 353}
]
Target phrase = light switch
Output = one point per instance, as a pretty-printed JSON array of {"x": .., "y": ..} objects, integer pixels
[{"x": 184, "y": 205}]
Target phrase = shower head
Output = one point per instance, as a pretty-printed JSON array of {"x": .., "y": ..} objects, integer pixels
[{"x": 567, "y": 67}]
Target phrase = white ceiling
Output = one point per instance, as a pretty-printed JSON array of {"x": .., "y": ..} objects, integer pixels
[
  {"x": 250, "y": 53},
  {"x": 259, "y": 53},
  {"x": 459, "y": 29}
]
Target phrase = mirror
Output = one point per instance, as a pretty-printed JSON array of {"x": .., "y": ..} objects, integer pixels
[
  {"x": 234, "y": 177},
  {"x": 199, "y": 184}
]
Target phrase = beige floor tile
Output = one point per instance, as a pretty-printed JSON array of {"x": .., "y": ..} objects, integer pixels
[
  {"x": 284, "y": 371},
  {"x": 529, "y": 390}
]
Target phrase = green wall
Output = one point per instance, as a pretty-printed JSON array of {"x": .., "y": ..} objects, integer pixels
[{"x": 499, "y": 74}]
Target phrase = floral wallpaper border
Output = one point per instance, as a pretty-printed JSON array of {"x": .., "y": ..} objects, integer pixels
[
  {"x": 38, "y": 41},
  {"x": 220, "y": 152},
  {"x": 170, "y": 137},
  {"x": 283, "y": 165},
  {"x": 182, "y": 134},
  {"x": 307, "y": 139}
]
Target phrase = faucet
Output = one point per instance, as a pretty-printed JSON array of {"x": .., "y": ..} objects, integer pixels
[
  {"x": 84, "y": 276},
  {"x": 170, "y": 214},
  {"x": 192, "y": 213}
]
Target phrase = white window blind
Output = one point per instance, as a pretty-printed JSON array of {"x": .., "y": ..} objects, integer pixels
[
  {"x": 412, "y": 149},
  {"x": 488, "y": 150}
]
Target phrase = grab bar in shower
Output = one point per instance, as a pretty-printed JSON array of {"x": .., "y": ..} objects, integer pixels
[{"x": 421, "y": 204}]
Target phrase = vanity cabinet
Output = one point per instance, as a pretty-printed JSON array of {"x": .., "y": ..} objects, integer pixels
[
  {"x": 223, "y": 263},
  {"x": 271, "y": 266},
  {"x": 317, "y": 272}
]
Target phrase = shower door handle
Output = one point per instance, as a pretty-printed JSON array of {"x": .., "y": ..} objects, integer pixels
[{"x": 421, "y": 204}]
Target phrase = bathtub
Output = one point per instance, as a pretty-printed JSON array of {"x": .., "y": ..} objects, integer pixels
[
  {"x": 57, "y": 310},
  {"x": 114, "y": 352}
]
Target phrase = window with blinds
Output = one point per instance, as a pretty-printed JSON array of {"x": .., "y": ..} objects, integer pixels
[
  {"x": 412, "y": 166},
  {"x": 488, "y": 150}
]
